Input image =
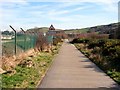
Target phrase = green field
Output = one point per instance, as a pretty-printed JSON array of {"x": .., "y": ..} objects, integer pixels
[{"x": 74, "y": 31}]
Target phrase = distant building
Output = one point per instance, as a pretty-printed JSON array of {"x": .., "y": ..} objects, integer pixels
[{"x": 7, "y": 37}]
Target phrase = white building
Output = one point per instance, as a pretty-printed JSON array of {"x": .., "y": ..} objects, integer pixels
[{"x": 8, "y": 37}]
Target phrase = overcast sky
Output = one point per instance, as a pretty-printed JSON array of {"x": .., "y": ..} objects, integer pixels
[{"x": 63, "y": 14}]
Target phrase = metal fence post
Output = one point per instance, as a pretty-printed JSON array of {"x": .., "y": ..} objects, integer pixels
[
  {"x": 0, "y": 56},
  {"x": 24, "y": 38},
  {"x": 30, "y": 40},
  {"x": 15, "y": 38},
  {"x": 26, "y": 44}
]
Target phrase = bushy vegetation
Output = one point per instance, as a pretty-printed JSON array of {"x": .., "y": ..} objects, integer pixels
[
  {"x": 77, "y": 40},
  {"x": 56, "y": 40},
  {"x": 104, "y": 52}
]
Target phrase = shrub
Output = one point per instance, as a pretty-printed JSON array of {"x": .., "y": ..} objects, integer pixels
[
  {"x": 74, "y": 40},
  {"x": 80, "y": 40},
  {"x": 92, "y": 44},
  {"x": 96, "y": 50},
  {"x": 101, "y": 42},
  {"x": 56, "y": 40}
]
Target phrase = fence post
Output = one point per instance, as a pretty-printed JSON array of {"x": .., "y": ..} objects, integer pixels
[
  {"x": 1, "y": 62},
  {"x": 15, "y": 38},
  {"x": 24, "y": 38},
  {"x": 30, "y": 40},
  {"x": 33, "y": 40}
]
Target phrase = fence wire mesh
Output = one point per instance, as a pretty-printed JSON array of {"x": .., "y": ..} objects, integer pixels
[{"x": 24, "y": 42}]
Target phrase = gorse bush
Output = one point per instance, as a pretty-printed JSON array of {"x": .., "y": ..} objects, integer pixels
[
  {"x": 110, "y": 51},
  {"x": 92, "y": 44},
  {"x": 56, "y": 40},
  {"x": 101, "y": 42},
  {"x": 95, "y": 50},
  {"x": 82, "y": 40}
]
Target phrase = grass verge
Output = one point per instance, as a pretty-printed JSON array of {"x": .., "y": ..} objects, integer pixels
[{"x": 30, "y": 71}]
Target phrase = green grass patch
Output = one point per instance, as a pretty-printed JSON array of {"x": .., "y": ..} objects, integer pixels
[
  {"x": 76, "y": 31},
  {"x": 114, "y": 75}
]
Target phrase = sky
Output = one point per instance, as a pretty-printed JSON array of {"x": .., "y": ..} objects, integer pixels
[{"x": 63, "y": 14}]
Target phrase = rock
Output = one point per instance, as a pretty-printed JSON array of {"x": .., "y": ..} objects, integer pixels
[
  {"x": 6, "y": 72},
  {"x": 10, "y": 72},
  {"x": 2, "y": 71}
]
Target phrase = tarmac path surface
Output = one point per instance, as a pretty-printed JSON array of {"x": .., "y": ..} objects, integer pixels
[{"x": 71, "y": 69}]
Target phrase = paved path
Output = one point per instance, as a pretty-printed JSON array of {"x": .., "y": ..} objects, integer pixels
[{"x": 71, "y": 69}]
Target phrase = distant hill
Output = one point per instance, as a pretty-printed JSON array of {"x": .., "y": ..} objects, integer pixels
[
  {"x": 104, "y": 28},
  {"x": 41, "y": 29},
  {"x": 74, "y": 31},
  {"x": 68, "y": 31},
  {"x": 111, "y": 29}
]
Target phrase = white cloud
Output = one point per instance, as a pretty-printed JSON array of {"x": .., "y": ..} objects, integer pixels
[
  {"x": 15, "y": 1},
  {"x": 56, "y": 12},
  {"x": 21, "y": 13},
  {"x": 61, "y": 11}
]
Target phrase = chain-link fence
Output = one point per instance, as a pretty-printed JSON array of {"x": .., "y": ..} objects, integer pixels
[
  {"x": 14, "y": 43},
  {"x": 22, "y": 41}
]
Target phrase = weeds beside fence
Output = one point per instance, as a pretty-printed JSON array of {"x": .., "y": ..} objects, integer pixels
[
  {"x": 30, "y": 63},
  {"x": 24, "y": 44}
]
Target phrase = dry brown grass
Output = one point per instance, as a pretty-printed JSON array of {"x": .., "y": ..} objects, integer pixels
[{"x": 8, "y": 63}]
